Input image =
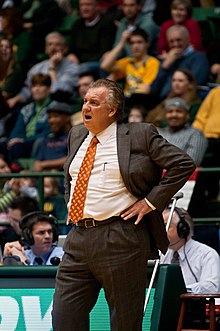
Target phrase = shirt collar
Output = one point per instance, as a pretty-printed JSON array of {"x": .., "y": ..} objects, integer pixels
[
  {"x": 31, "y": 256},
  {"x": 185, "y": 249},
  {"x": 188, "y": 51},
  {"x": 106, "y": 134}
]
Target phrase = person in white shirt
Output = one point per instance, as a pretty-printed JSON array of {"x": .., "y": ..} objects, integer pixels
[
  {"x": 39, "y": 234},
  {"x": 200, "y": 264}
]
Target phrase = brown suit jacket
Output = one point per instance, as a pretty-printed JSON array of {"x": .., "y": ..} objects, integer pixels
[{"x": 143, "y": 155}]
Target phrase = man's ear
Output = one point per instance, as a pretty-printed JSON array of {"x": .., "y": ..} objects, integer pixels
[{"x": 112, "y": 112}]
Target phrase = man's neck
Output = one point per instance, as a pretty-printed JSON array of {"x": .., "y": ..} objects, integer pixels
[{"x": 142, "y": 58}]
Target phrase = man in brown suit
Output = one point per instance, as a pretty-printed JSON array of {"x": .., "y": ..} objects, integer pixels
[{"x": 122, "y": 222}]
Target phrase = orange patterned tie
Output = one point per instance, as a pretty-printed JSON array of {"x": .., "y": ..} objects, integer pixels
[{"x": 79, "y": 194}]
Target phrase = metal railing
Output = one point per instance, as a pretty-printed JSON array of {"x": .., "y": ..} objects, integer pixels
[{"x": 40, "y": 176}]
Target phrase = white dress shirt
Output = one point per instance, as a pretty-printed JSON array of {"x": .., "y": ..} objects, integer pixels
[
  {"x": 197, "y": 261},
  {"x": 106, "y": 195},
  {"x": 46, "y": 258}
]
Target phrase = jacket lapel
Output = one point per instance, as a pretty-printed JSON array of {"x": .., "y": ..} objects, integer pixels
[{"x": 124, "y": 146}]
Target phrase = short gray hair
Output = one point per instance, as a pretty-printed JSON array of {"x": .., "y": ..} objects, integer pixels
[
  {"x": 182, "y": 29},
  {"x": 115, "y": 96}
]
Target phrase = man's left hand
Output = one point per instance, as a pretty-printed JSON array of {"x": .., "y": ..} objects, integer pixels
[{"x": 139, "y": 208}]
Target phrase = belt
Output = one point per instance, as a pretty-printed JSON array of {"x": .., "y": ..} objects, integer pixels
[{"x": 91, "y": 223}]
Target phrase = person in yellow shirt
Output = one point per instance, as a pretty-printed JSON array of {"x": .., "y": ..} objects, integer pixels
[
  {"x": 138, "y": 71},
  {"x": 207, "y": 184}
]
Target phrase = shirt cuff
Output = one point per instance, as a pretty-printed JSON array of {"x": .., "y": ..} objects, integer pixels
[{"x": 149, "y": 204}]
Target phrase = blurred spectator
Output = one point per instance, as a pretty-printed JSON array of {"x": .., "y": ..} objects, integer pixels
[
  {"x": 183, "y": 86},
  {"x": 63, "y": 72},
  {"x": 207, "y": 184},
  {"x": 180, "y": 133},
  {"x": 28, "y": 186},
  {"x": 181, "y": 11},
  {"x": 32, "y": 120},
  {"x": 40, "y": 234},
  {"x": 92, "y": 36},
  {"x": 13, "y": 185},
  {"x": 21, "y": 40},
  {"x": 11, "y": 72},
  {"x": 138, "y": 71},
  {"x": 200, "y": 264},
  {"x": 54, "y": 202},
  {"x": 17, "y": 209},
  {"x": 51, "y": 151},
  {"x": 9, "y": 189},
  {"x": 149, "y": 6},
  {"x": 85, "y": 79},
  {"x": 180, "y": 55},
  {"x": 40, "y": 18},
  {"x": 135, "y": 18},
  {"x": 136, "y": 114}
]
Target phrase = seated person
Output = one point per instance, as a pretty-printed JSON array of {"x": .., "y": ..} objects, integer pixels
[
  {"x": 183, "y": 86},
  {"x": 40, "y": 18},
  {"x": 135, "y": 18},
  {"x": 19, "y": 207},
  {"x": 51, "y": 151},
  {"x": 200, "y": 264},
  {"x": 180, "y": 55},
  {"x": 180, "y": 133},
  {"x": 181, "y": 12},
  {"x": 92, "y": 35},
  {"x": 136, "y": 114},
  {"x": 39, "y": 233},
  {"x": 21, "y": 40},
  {"x": 32, "y": 122},
  {"x": 207, "y": 184},
  {"x": 138, "y": 71},
  {"x": 63, "y": 72},
  {"x": 9, "y": 188},
  {"x": 11, "y": 74}
]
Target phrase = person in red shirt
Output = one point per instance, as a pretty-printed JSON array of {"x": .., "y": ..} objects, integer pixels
[{"x": 181, "y": 11}]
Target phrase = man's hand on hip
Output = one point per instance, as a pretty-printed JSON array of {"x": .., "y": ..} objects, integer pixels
[{"x": 139, "y": 208}]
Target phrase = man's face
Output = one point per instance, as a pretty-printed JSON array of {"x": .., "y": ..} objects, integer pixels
[
  {"x": 96, "y": 112},
  {"x": 138, "y": 46},
  {"x": 14, "y": 216},
  {"x": 55, "y": 44},
  {"x": 84, "y": 83},
  {"x": 130, "y": 8},
  {"x": 40, "y": 92},
  {"x": 177, "y": 40},
  {"x": 58, "y": 121},
  {"x": 176, "y": 117},
  {"x": 43, "y": 238},
  {"x": 89, "y": 9}
]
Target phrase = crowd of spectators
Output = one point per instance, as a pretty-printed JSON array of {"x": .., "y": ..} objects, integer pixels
[{"x": 157, "y": 56}]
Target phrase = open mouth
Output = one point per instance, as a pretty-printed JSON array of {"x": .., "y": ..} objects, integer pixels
[{"x": 87, "y": 117}]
